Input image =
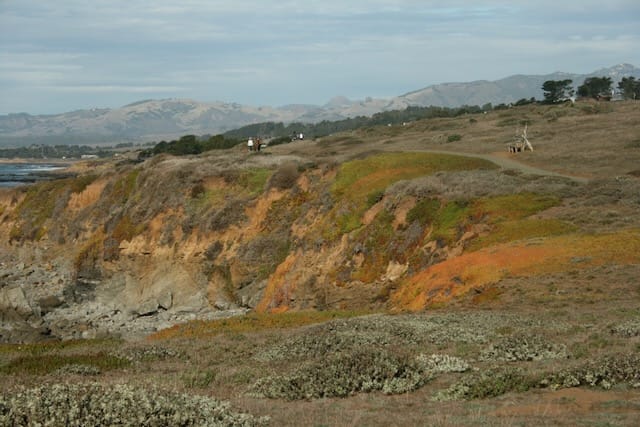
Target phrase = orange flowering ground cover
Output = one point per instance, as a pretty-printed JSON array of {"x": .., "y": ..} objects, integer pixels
[{"x": 475, "y": 270}]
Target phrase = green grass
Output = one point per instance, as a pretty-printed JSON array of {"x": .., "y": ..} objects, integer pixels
[
  {"x": 514, "y": 206},
  {"x": 54, "y": 346},
  {"x": 358, "y": 178},
  {"x": 510, "y": 214},
  {"x": 254, "y": 180},
  {"x": 449, "y": 220},
  {"x": 359, "y": 181},
  {"x": 509, "y": 231},
  {"x": 425, "y": 211},
  {"x": 48, "y": 363},
  {"x": 252, "y": 322}
]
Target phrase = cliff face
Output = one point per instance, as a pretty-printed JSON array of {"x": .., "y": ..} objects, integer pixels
[
  {"x": 130, "y": 248},
  {"x": 135, "y": 247}
]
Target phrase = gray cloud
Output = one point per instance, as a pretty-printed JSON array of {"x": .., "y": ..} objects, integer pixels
[{"x": 68, "y": 54}]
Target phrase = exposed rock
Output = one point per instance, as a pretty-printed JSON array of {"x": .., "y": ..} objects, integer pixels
[
  {"x": 468, "y": 236},
  {"x": 395, "y": 271},
  {"x": 165, "y": 301},
  {"x": 221, "y": 305},
  {"x": 14, "y": 300},
  {"x": 148, "y": 308},
  {"x": 49, "y": 303}
]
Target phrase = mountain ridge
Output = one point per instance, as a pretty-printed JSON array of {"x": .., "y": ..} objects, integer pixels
[{"x": 169, "y": 118}]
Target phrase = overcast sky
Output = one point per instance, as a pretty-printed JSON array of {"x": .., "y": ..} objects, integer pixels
[{"x": 62, "y": 55}]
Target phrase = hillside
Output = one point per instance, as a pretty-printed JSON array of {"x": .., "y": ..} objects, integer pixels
[
  {"x": 391, "y": 274},
  {"x": 506, "y": 90},
  {"x": 170, "y": 118}
]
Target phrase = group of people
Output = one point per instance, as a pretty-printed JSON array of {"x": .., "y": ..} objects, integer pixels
[{"x": 254, "y": 144}]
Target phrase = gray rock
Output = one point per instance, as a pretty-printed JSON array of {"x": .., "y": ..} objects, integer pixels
[
  {"x": 221, "y": 305},
  {"x": 13, "y": 298},
  {"x": 165, "y": 301},
  {"x": 148, "y": 308},
  {"x": 49, "y": 303}
]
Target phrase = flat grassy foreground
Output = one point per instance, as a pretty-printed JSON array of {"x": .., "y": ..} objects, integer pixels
[{"x": 566, "y": 353}]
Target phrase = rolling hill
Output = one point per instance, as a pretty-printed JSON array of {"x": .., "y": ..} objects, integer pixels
[{"x": 169, "y": 118}]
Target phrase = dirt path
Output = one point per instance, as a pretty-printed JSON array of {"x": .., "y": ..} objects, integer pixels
[
  {"x": 501, "y": 159},
  {"x": 507, "y": 163}
]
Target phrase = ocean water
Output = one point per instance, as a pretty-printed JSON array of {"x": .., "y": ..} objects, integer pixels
[{"x": 15, "y": 174}]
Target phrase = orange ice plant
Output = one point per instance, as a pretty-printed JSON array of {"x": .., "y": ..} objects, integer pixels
[{"x": 457, "y": 276}]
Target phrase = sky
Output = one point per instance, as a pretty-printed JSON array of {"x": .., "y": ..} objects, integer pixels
[{"x": 65, "y": 55}]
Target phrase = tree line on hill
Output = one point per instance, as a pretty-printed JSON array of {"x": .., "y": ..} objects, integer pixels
[
  {"x": 190, "y": 144},
  {"x": 594, "y": 87},
  {"x": 326, "y": 127}
]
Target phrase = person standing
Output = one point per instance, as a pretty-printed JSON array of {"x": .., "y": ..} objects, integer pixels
[{"x": 250, "y": 144}]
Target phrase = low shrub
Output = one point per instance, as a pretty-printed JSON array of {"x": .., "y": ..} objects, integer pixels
[
  {"x": 605, "y": 372},
  {"x": 123, "y": 405},
  {"x": 630, "y": 328},
  {"x": 424, "y": 211},
  {"x": 147, "y": 353},
  {"x": 442, "y": 364},
  {"x": 284, "y": 177},
  {"x": 524, "y": 348},
  {"x": 485, "y": 384},
  {"x": 348, "y": 335},
  {"x": 76, "y": 369},
  {"x": 345, "y": 374}
]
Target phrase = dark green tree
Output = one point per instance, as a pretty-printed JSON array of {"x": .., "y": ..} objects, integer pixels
[
  {"x": 595, "y": 87},
  {"x": 557, "y": 91},
  {"x": 630, "y": 87}
]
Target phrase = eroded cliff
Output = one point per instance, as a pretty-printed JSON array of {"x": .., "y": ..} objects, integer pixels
[{"x": 129, "y": 248}]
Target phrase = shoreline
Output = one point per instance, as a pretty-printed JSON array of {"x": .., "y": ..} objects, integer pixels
[
  {"x": 12, "y": 176},
  {"x": 23, "y": 160}
]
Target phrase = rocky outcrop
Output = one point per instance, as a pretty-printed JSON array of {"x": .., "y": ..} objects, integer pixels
[{"x": 37, "y": 304}]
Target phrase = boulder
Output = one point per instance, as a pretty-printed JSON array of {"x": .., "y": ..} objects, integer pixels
[
  {"x": 395, "y": 270},
  {"x": 165, "y": 301},
  {"x": 148, "y": 308},
  {"x": 13, "y": 299}
]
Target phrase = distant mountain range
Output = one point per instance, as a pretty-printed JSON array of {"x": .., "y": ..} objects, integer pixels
[{"x": 169, "y": 118}]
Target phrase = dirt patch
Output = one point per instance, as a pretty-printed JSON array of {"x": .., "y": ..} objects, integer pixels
[
  {"x": 570, "y": 403},
  {"x": 401, "y": 212},
  {"x": 370, "y": 214}
]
